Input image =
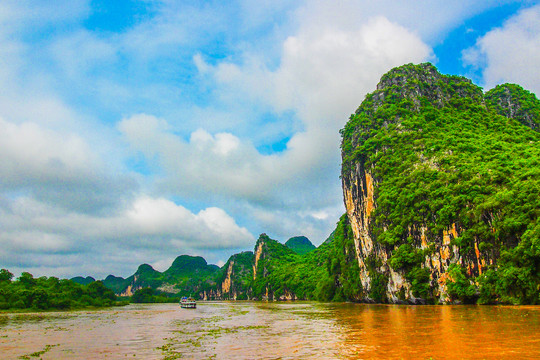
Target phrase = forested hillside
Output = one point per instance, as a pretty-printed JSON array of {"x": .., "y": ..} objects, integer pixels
[
  {"x": 187, "y": 275},
  {"x": 441, "y": 184}
]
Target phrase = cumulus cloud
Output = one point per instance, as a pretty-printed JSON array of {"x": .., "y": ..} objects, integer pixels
[
  {"x": 211, "y": 228},
  {"x": 510, "y": 53},
  {"x": 29, "y": 151},
  {"x": 57, "y": 167},
  {"x": 155, "y": 227},
  {"x": 431, "y": 20},
  {"x": 323, "y": 75}
]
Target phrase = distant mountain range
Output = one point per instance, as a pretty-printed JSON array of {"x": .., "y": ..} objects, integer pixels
[{"x": 190, "y": 275}]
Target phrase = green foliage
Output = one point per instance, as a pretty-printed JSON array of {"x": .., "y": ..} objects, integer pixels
[
  {"x": 241, "y": 275},
  {"x": 328, "y": 273},
  {"x": 187, "y": 276},
  {"x": 406, "y": 257},
  {"x": 300, "y": 245},
  {"x": 516, "y": 280},
  {"x": 29, "y": 293},
  {"x": 525, "y": 106},
  {"x": 409, "y": 259},
  {"x": 144, "y": 295},
  {"x": 442, "y": 157},
  {"x": 459, "y": 286},
  {"x": 83, "y": 280},
  {"x": 420, "y": 285},
  {"x": 379, "y": 280},
  {"x": 5, "y": 275}
]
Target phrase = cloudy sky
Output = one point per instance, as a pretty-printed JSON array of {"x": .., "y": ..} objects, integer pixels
[{"x": 135, "y": 131}]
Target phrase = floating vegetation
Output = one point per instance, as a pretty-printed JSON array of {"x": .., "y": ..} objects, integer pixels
[
  {"x": 200, "y": 335},
  {"x": 37, "y": 353}
]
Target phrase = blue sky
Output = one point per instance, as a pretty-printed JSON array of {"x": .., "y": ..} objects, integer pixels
[{"x": 136, "y": 131}]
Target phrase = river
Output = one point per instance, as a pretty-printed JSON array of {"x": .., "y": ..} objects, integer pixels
[{"x": 258, "y": 330}]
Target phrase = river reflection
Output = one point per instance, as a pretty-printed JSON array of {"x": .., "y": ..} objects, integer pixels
[{"x": 251, "y": 330}]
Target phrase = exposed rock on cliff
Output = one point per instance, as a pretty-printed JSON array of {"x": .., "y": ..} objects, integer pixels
[
  {"x": 236, "y": 278},
  {"x": 270, "y": 256},
  {"x": 432, "y": 176}
]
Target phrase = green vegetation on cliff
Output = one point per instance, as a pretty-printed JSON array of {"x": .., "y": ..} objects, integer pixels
[
  {"x": 236, "y": 276},
  {"x": 300, "y": 245},
  {"x": 328, "y": 273},
  {"x": 29, "y": 293},
  {"x": 148, "y": 295},
  {"x": 514, "y": 102},
  {"x": 445, "y": 156}
]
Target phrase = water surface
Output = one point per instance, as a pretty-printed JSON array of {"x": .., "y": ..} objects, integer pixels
[{"x": 251, "y": 330}]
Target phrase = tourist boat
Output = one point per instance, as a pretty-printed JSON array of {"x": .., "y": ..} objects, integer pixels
[{"x": 188, "y": 303}]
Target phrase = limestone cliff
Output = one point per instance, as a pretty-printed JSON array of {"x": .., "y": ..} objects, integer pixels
[
  {"x": 235, "y": 283},
  {"x": 270, "y": 257},
  {"x": 423, "y": 181}
]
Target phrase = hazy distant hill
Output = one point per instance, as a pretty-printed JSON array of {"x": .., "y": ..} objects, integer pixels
[{"x": 83, "y": 280}]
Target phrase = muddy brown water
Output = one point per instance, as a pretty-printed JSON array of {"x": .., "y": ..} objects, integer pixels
[{"x": 256, "y": 330}]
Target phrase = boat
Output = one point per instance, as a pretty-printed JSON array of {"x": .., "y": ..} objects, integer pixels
[{"x": 188, "y": 303}]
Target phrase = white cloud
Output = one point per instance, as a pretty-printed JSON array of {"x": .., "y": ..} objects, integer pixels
[
  {"x": 29, "y": 151},
  {"x": 510, "y": 53},
  {"x": 78, "y": 53},
  {"x": 431, "y": 20},
  {"x": 323, "y": 76},
  {"x": 211, "y": 228},
  {"x": 57, "y": 167},
  {"x": 153, "y": 227}
]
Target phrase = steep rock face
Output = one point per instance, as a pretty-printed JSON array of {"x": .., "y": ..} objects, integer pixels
[
  {"x": 145, "y": 276},
  {"x": 407, "y": 257},
  {"x": 270, "y": 257},
  {"x": 210, "y": 294},
  {"x": 261, "y": 268},
  {"x": 237, "y": 277}
]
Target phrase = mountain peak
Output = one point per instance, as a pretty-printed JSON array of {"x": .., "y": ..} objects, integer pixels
[
  {"x": 514, "y": 102},
  {"x": 188, "y": 262},
  {"x": 414, "y": 86},
  {"x": 145, "y": 268},
  {"x": 300, "y": 245}
]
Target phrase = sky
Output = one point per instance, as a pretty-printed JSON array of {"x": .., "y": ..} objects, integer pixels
[{"x": 136, "y": 131}]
